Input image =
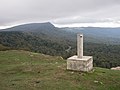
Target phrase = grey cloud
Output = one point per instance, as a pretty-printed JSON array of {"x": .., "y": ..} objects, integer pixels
[{"x": 13, "y": 11}]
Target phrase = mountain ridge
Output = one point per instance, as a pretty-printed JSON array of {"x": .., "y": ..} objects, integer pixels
[
  {"x": 49, "y": 27},
  {"x": 29, "y": 26}
]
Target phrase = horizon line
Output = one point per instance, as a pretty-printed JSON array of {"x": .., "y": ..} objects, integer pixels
[{"x": 74, "y": 25}]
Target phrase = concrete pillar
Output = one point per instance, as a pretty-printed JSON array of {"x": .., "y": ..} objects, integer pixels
[{"x": 80, "y": 45}]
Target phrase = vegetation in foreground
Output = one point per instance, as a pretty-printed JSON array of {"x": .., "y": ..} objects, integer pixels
[{"x": 23, "y": 70}]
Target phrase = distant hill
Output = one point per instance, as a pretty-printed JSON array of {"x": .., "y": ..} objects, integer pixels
[
  {"x": 91, "y": 34},
  {"x": 32, "y": 27},
  {"x": 96, "y": 31},
  {"x": 47, "y": 29},
  {"x": 25, "y": 70}
]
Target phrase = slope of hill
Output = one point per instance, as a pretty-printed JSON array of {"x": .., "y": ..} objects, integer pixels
[
  {"x": 37, "y": 43},
  {"x": 47, "y": 29},
  {"x": 32, "y": 27},
  {"x": 23, "y": 70},
  {"x": 98, "y": 35}
]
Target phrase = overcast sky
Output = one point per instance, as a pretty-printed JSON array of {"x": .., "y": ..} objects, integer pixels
[{"x": 62, "y": 13}]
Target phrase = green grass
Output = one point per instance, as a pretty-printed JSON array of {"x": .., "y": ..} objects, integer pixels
[{"x": 23, "y": 70}]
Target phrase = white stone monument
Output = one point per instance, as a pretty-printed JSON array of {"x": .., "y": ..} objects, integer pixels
[{"x": 79, "y": 62}]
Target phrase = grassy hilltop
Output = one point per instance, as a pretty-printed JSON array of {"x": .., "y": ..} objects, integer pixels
[{"x": 23, "y": 70}]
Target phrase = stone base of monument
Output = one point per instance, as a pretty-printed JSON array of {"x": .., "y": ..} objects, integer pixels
[{"x": 84, "y": 64}]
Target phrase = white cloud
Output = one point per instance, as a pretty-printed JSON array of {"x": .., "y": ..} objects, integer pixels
[{"x": 106, "y": 24}]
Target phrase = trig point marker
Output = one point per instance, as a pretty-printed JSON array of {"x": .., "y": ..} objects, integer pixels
[
  {"x": 79, "y": 62},
  {"x": 80, "y": 45}
]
